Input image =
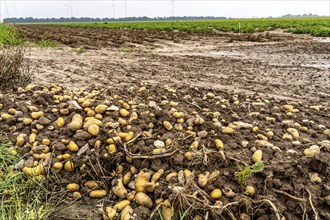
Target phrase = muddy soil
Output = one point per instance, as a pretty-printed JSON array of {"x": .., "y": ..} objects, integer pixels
[
  {"x": 282, "y": 65},
  {"x": 230, "y": 80}
]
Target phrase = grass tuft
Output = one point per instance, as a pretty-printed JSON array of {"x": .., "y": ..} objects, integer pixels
[{"x": 21, "y": 197}]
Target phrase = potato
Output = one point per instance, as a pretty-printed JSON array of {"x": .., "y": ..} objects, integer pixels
[
  {"x": 97, "y": 193},
  {"x": 91, "y": 184},
  {"x": 38, "y": 170},
  {"x": 194, "y": 145},
  {"x": 69, "y": 166},
  {"x": 188, "y": 155},
  {"x": 134, "y": 116},
  {"x": 131, "y": 195},
  {"x": 64, "y": 111},
  {"x": 218, "y": 143},
  {"x": 143, "y": 199},
  {"x": 60, "y": 122},
  {"x": 58, "y": 166},
  {"x": 27, "y": 121},
  {"x": 37, "y": 115},
  {"x": 73, "y": 146},
  {"x": 294, "y": 132},
  {"x": 93, "y": 129},
  {"x": 123, "y": 112},
  {"x": 72, "y": 187},
  {"x": 100, "y": 109},
  {"x": 98, "y": 116},
  {"x": 112, "y": 149},
  {"x": 6, "y": 116},
  {"x": 257, "y": 156},
  {"x": 20, "y": 141},
  {"x": 168, "y": 125},
  {"x": 12, "y": 111},
  {"x": 227, "y": 130},
  {"x": 126, "y": 213},
  {"x": 111, "y": 213},
  {"x": 157, "y": 175},
  {"x": 170, "y": 176},
  {"x": 249, "y": 190},
  {"x": 187, "y": 174},
  {"x": 93, "y": 121},
  {"x": 142, "y": 179},
  {"x": 202, "y": 180},
  {"x": 76, "y": 123},
  {"x": 45, "y": 141},
  {"x": 127, "y": 178},
  {"x": 199, "y": 120},
  {"x": 216, "y": 194},
  {"x": 167, "y": 213},
  {"x": 118, "y": 188},
  {"x": 312, "y": 151},
  {"x": 129, "y": 136},
  {"x": 76, "y": 195},
  {"x": 121, "y": 205}
]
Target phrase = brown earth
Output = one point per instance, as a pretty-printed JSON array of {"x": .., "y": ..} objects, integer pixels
[{"x": 224, "y": 78}]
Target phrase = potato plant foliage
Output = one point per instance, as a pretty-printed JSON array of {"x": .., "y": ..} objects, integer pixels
[{"x": 244, "y": 174}]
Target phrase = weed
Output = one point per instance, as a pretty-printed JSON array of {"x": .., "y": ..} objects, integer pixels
[
  {"x": 46, "y": 43},
  {"x": 21, "y": 197},
  {"x": 81, "y": 50},
  {"x": 125, "y": 49},
  {"x": 15, "y": 69},
  {"x": 8, "y": 36},
  {"x": 243, "y": 175}
]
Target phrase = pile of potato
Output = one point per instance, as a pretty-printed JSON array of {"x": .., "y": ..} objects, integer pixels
[{"x": 135, "y": 147}]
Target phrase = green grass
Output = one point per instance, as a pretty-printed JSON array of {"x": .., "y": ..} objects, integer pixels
[
  {"x": 21, "y": 197},
  {"x": 46, "y": 43},
  {"x": 315, "y": 26},
  {"x": 8, "y": 36}
]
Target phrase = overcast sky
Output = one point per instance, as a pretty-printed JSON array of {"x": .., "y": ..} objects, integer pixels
[{"x": 161, "y": 8}]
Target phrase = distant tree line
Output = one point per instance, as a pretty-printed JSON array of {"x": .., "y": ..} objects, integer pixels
[{"x": 88, "y": 19}]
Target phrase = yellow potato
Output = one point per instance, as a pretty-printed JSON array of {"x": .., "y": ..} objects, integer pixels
[
  {"x": 119, "y": 189},
  {"x": 216, "y": 194},
  {"x": 91, "y": 184},
  {"x": 76, "y": 123},
  {"x": 60, "y": 122},
  {"x": 143, "y": 200},
  {"x": 157, "y": 175},
  {"x": 168, "y": 125},
  {"x": 250, "y": 190},
  {"x": 100, "y": 109},
  {"x": 218, "y": 143},
  {"x": 69, "y": 166},
  {"x": 202, "y": 180},
  {"x": 58, "y": 166},
  {"x": 170, "y": 176},
  {"x": 20, "y": 141},
  {"x": 126, "y": 213},
  {"x": 6, "y": 116},
  {"x": 93, "y": 121},
  {"x": 12, "y": 111},
  {"x": 27, "y": 121},
  {"x": 93, "y": 129},
  {"x": 73, "y": 146},
  {"x": 227, "y": 130},
  {"x": 72, "y": 187},
  {"x": 121, "y": 205},
  {"x": 188, "y": 155},
  {"x": 123, "y": 112},
  {"x": 45, "y": 141},
  {"x": 111, "y": 213},
  {"x": 97, "y": 193},
  {"x": 257, "y": 156},
  {"x": 37, "y": 115},
  {"x": 142, "y": 179}
]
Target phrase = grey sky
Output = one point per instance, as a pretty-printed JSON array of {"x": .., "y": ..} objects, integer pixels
[{"x": 155, "y": 8}]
